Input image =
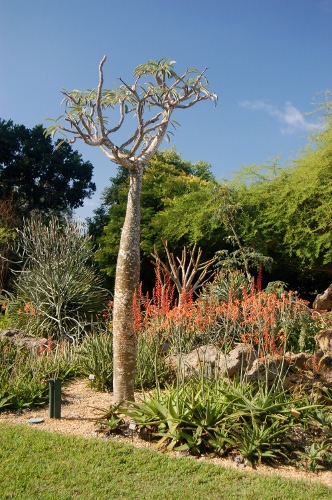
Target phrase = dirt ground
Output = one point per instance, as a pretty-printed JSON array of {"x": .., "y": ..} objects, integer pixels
[{"x": 81, "y": 406}]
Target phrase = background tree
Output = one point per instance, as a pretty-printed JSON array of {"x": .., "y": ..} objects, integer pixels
[
  {"x": 166, "y": 177},
  {"x": 288, "y": 213},
  {"x": 8, "y": 222},
  {"x": 38, "y": 175},
  {"x": 152, "y": 104}
]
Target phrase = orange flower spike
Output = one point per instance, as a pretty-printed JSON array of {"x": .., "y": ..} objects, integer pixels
[
  {"x": 266, "y": 340},
  {"x": 259, "y": 281},
  {"x": 49, "y": 345},
  {"x": 137, "y": 316},
  {"x": 273, "y": 346},
  {"x": 40, "y": 350}
]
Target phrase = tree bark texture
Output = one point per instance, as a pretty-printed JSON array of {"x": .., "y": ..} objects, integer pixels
[{"x": 126, "y": 283}]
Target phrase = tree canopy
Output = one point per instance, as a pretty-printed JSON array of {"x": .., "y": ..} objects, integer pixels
[
  {"x": 287, "y": 212},
  {"x": 39, "y": 175}
]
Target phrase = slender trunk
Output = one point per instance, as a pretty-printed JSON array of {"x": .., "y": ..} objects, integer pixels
[{"x": 126, "y": 282}]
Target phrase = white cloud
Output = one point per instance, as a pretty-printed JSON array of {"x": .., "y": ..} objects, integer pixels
[{"x": 291, "y": 118}]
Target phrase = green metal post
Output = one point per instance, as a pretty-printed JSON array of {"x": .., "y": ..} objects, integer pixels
[
  {"x": 55, "y": 397},
  {"x": 50, "y": 396}
]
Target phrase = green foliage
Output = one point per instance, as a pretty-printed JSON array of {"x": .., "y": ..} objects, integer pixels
[
  {"x": 39, "y": 175},
  {"x": 88, "y": 468},
  {"x": 111, "y": 420},
  {"x": 261, "y": 441},
  {"x": 85, "y": 110},
  {"x": 182, "y": 416},
  {"x": 165, "y": 178},
  {"x": 24, "y": 375},
  {"x": 8, "y": 221},
  {"x": 287, "y": 212},
  {"x": 191, "y": 217},
  {"x": 5, "y": 319},
  {"x": 57, "y": 292},
  {"x": 245, "y": 257},
  {"x": 5, "y": 235},
  {"x": 228, "y": 286},
  {"x": 222, "y": 417},
  {"x": 95, "y": 358},
  {"x": 313, "y": 458},
  {"x": 151, "y": 369},
  {"x": 95, "y": 355}
]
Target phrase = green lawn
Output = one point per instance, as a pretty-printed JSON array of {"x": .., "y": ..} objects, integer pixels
[{"x": 38, "y": 465}]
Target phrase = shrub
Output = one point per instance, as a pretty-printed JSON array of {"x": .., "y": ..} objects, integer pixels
[
  {"x": 229, "y": 311},
  {"x": 24, "y": 375},
  {"x": 57, "y": 292},
  {"x": 151, "y": 367}
]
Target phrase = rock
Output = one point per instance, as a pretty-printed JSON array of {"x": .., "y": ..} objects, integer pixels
[
  {"x": 35, "y": 420},
  {"x": 20, "y": 338},
  {"x": 204, "y": 358},
  {"x": 323, "y": 379},
  {"x": 291, "y": 369},
  {"x": 323, "y": 301},
  {"x": 267, "y": 369},
  {"x": 213, "y": 362},
  {"x": 323, "y": 349},
  {"x": 300, "y": 361},
  {"x": 238, "y": 360}
]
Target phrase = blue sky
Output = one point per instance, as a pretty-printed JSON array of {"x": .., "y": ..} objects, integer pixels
[{"x": 268, "y": 61}]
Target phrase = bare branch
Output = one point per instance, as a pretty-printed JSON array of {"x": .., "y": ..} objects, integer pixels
[
  {"x": 120, "y": 122},
  {"x": 182, "y": 272},
  {"x": 99, "y": 95},
  {"x": 88, "y": 122}
]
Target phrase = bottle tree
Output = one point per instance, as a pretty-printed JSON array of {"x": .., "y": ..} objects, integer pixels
[{"x": 156, "y": 93}]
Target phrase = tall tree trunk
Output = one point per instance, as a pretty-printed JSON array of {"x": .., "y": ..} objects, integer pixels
[{"x": 126, "y": 283}]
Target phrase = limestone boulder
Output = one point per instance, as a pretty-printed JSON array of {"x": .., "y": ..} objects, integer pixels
[
  {"x": 267, "y": 370},
  {"x": 203, "y": 359},
  {"x": 20, "y": 338},
  {"x": 323, "y": 349},
  {"x": 211, "y": 361},
  {"x": 299, "y": 361},
  {"x": 323, "y": 301},
  {"x": 238, "y": 360}
]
